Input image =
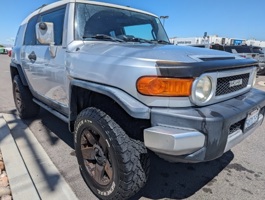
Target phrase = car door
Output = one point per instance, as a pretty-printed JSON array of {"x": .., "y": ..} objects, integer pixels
[{"x": 46, "y": 72}]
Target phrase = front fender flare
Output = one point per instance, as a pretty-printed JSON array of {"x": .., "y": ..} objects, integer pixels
[{"x": 131, "y": 105}]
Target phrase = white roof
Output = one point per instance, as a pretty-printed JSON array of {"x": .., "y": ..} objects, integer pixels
[{"x": 63, "y": 2}]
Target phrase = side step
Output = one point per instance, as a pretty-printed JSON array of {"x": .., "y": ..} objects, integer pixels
[{"x": 54, "y": 112}]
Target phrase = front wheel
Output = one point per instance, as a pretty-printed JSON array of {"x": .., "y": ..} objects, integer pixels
[
  {"x": 261, "y": 72},
  {"x": 113, "y": 165}
]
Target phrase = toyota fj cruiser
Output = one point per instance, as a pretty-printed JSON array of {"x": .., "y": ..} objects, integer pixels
[{"x": 111, "y": 74}]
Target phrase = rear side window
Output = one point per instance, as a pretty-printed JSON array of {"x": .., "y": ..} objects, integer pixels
[
  {"x": 30, "y": 34},
  {"x": 57, "y": 18},
  {"x": 19, "y": 38}
]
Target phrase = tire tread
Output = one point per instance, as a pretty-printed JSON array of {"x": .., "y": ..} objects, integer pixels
[
  {"x": 134, "y": 170},
  {"x": 28, "y": 107}
]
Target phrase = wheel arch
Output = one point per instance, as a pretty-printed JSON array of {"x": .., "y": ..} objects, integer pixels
[
  {"x": 86, "y": 94},
  {"x": 16, "y": 69}
]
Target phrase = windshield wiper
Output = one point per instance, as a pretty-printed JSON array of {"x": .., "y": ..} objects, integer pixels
[
  {"x": 161, "y": 41},
  {"x": 135, "y": 39},
  {"x": 141, "y": 40},
  {"x": 103, "y": 37}
]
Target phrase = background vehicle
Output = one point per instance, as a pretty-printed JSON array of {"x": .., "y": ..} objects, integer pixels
[
  {"x": 261, "y": 59},
  {"x": 3, "y": 51},
  {"x": 10, "y": 53},
  {"x": 245, "y": 52}
]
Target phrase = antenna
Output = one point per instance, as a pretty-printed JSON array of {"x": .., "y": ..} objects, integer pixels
[{"x": 42, "y": 6}]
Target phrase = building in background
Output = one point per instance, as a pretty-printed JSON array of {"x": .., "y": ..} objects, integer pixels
[
  {"x": 259, "y": 43},
  {"x": 207, "y": 41}
]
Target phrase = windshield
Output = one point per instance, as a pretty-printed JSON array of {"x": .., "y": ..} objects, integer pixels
[
  {"x": 93, "y": 22},
  {"x": 237, "y": 49}
]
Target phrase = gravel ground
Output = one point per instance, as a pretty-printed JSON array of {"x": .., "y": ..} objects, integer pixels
[{"x": 5, "y": 191}]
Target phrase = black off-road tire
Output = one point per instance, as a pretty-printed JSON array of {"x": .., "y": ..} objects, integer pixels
[
  {"x": 127, "y": 158},
  {"x": 26, "y": 107},
  {"x": 261, "y": 72}
]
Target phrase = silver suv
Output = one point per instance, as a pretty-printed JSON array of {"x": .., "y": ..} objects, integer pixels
[{"x": 112, "y": 75}]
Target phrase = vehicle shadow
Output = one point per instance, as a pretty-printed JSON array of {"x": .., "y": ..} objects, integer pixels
[
  {"x": 181, "y": 180},
  {"x": 18, "y": 131},
  {"x": 55, "y": 128}
]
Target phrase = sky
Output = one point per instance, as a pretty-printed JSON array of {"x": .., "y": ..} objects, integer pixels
[{"x": 244, "y": 19}]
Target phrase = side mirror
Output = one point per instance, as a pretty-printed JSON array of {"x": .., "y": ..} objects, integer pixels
[
  {"x": 45, "y": 32},
  {"x": 45, "y": 35},
  {"x": 43, "y": 26}
]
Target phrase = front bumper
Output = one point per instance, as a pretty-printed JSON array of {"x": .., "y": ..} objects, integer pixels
[
  {"x": 204, "y": 133},
  {"x": 261, "y": 66},
  {"x": 261, "y": 69}
]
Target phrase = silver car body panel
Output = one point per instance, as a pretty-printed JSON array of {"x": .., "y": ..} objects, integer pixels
[
  {"x": 47, "y": 69},
  {"x": 102, "y": 61}
]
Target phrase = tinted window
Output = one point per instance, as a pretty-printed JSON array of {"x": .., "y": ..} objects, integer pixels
[
  {"x": 142, "y": 31},
  {"x": 228, "y": 49},
  {"x": 257, "y": 50},
  {"x": 19, "y": 40},
  {"x": 217, "y": 47},
  {"x": 30, "y": 34},
  {"x": 237, "y": 49},
  {"x": 243, "y": 49},
  {"x": 57, "y": 18}
]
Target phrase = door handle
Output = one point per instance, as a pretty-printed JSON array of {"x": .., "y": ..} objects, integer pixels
[{"x": 32, "y": 56}]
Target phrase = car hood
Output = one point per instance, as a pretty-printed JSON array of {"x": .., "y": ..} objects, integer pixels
[{"x": 154, "y": 52}]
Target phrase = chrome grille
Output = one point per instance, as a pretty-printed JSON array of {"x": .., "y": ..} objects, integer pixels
[
  {"x": 223, "y": 84},
  {"x": 226, "y": 84}
]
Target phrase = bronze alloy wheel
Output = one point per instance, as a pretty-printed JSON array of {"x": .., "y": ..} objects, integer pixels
[
  {"x": 17, "y": 97},
  {"x": 96, "y": 157},
  {"x": 23, "y": 99}
]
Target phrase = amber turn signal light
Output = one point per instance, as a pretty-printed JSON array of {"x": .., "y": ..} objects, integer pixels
[{"x": 161, "y": 86}]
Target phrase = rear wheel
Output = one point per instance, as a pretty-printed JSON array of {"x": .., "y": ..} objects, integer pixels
[
  {"x": 113, "y": 165},
  {"x": 26, "y": 107}
]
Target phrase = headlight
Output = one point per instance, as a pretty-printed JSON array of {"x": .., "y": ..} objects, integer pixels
[{"x": 203, "y": 89}]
